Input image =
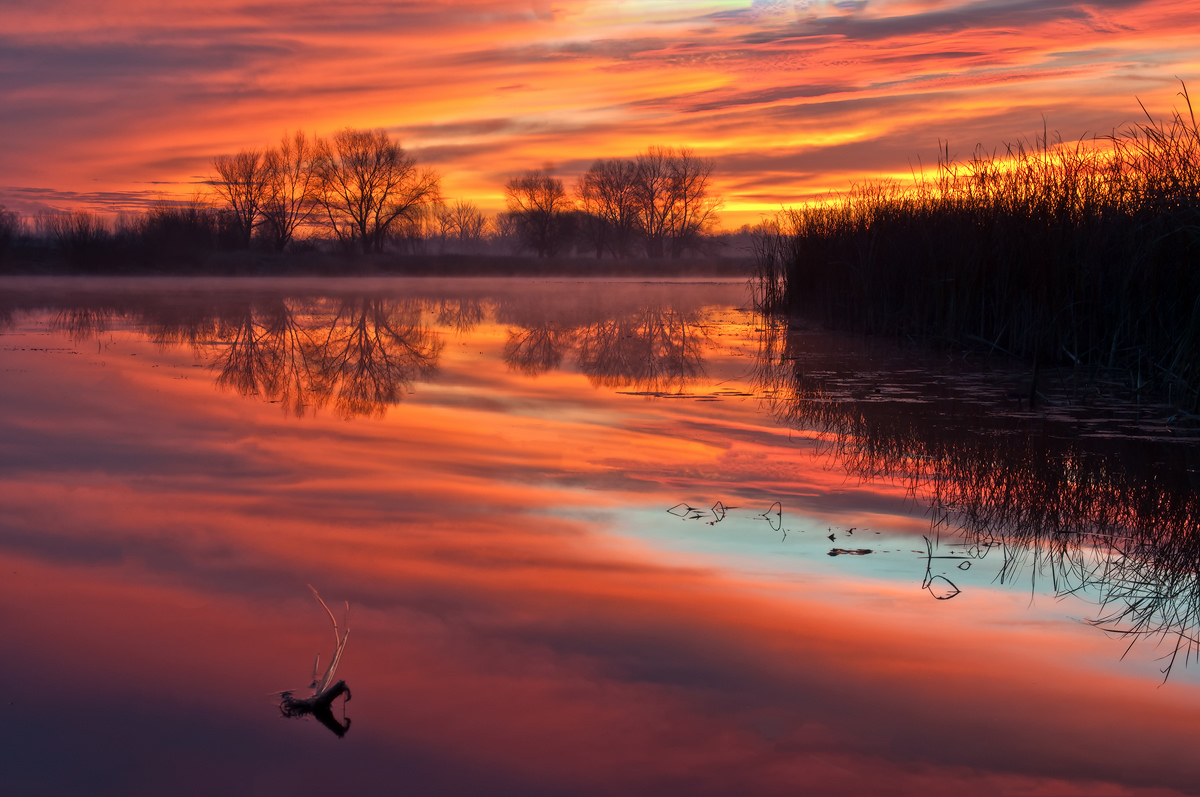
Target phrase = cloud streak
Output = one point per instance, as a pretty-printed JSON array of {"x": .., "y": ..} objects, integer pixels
[{"x": 101, "y": 101}]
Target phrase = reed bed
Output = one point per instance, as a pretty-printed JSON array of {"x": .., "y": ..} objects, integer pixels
[{"x": 1085, "y": 254}]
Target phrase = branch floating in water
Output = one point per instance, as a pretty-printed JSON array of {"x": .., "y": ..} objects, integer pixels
[{"x": 325, "y": 691}]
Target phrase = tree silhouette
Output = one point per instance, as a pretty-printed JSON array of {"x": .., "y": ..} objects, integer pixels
[
  {"x": 672, "y": 199},
  {"x": 242, "y": 181},
  {"x": 694, "y": 209},
  {"x": 461, "y": 226},
  {"x": 81, "y": 236},
  {"x": 291, "y": 183},
  {"x": 10, "y": 228},
  {"x": 368, "y": 187},
  {"x": 538, "y": 205},
  {"x": 607, "y": 194}
]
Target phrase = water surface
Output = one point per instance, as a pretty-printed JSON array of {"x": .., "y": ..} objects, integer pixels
[{"x": 595, "y": 538}]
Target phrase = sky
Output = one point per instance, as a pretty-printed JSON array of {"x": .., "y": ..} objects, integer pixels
[{"x": 111, "y": 106}]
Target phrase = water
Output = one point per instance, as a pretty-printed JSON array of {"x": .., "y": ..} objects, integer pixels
[{"x": 584, "y": 532}]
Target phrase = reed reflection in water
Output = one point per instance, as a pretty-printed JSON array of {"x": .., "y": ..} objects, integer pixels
[{"x": 1094, "y": 502}]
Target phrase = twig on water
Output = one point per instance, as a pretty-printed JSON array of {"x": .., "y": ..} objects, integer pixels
[{"x": 325, "y": 691}]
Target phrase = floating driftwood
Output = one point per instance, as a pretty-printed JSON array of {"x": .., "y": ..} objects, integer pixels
[
  {"x": 293, "y": 706},
  {"x": 325, "y": 691}
]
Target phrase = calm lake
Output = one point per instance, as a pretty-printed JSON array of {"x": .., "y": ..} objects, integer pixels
[{"x": 587, "y": 538}]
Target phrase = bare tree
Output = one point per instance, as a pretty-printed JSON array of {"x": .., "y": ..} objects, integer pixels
[
  {"x": 71, "y": 229},
  {"x": 289, "y": 191},
  {"x": 241, "y": 181},
  {"x": 505, "y": 236},
  {"x": 539, "y": 206},
  {"x": 414, "y": 232},
  {"x": 672, "y": 199},
  {"x": 654, "y": 198},
  {"x": 178, "y": 232},
  {"x": 461, "y": 225},
  {"x": 694, "y": 211},
  {"x": 368, "y": 187},
  {"x": 607, "y": 194},
  {"x": 10, "y": 227}
]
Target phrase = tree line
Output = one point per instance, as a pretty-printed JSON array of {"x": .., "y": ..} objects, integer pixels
[
  {"x": 364, "y": 189},
  {"x": 361, "y": 191},
  {"x": 659, "y": 203}
]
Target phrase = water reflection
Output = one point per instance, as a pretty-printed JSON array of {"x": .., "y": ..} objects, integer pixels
[
  {"x": 462, "y": 314},
  {"x": 356, "y": 354},
  {"x": 268, "y": 353},
  {"x": 371, "y": 352},
  {"x": 528, "y": 618},
  {"x": 1097, "y": 502},
  {"x": 360, "y": 354},
  {"x": 537, "y": 349},
  {"x": 654, "y": 349}
]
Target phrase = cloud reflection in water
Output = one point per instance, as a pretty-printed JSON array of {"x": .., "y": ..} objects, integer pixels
[{"x": 516, "y": 630}]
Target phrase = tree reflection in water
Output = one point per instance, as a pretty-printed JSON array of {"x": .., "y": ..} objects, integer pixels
[
  {"x": 82, "y": 322},
  {"x": 373, "y": 351},
  {"x": 1096, "y": 501},
  {"x": 656, "y": 348},
  {"x": 360, "y": 353},
  {"x": 1098, "y": 504},
  {"x": 538, "y": 349},
  {"x": 269, "y": 353},
  {"x": 653, "y": 348},
  {"x": 461, "y": 314}
]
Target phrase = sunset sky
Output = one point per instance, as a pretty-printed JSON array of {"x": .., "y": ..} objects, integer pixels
[{"x": 110, "y": 105}]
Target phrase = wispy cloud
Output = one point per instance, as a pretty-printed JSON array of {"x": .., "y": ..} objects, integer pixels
[{"x": 108, "y": 99}]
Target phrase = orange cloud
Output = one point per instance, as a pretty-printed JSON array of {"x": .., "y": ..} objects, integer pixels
[{"x": 120, "y": 103}]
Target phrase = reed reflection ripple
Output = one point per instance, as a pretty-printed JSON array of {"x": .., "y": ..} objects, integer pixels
[{"x": 1095, "y": 500}]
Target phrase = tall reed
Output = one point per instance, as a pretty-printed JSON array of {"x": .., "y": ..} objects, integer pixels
[{"x": 1085, "y": 253}]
